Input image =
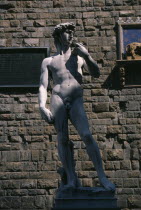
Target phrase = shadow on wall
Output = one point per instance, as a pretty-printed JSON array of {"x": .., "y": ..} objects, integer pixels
[{"x": 113, "y": 80}]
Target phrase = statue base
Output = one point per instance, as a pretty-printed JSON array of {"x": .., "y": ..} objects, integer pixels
[{"x": 85, "y": 198}]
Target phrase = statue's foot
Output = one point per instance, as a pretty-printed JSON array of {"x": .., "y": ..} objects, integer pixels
[
  {"x": 69, "y": 186},
  {"x": 107, "y": 184}
]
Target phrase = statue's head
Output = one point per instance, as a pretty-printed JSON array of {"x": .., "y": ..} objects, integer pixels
[{"x": 63, "y": 34}]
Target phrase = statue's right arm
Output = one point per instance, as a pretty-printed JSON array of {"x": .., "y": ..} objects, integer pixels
[{"x": 45, "y": 113}]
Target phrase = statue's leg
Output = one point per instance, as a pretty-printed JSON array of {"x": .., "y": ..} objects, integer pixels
[
  {"x": 61, "y": 125},
  {"x": 79, "y": 120}
]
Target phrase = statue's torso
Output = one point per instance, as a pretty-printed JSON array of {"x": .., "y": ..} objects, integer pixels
[{"x": 67, "y": 75}]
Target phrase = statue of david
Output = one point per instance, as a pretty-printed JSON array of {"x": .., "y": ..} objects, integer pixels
[{"x": 67, "y": 100}]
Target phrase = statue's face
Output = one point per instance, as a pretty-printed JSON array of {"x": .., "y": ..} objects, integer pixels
[{"x": 67, "y": 37}]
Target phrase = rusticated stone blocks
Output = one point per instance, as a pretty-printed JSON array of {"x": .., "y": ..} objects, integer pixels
[{"x": 28, "y": 145}]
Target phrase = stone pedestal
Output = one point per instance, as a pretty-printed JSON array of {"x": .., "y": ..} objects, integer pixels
[{"x": 85, "y": 198}]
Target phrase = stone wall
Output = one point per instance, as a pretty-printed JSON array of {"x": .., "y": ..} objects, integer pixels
[{"x": 28, "y": 154}]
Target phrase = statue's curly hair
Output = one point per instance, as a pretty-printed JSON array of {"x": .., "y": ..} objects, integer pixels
[{"x": 62, "y": 27}]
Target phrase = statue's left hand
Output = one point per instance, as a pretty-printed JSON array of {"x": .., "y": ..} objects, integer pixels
[{"x": 80, "y": 50}]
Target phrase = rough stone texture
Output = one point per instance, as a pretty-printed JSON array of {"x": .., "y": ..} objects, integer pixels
[{"x": 28, "y": 147}]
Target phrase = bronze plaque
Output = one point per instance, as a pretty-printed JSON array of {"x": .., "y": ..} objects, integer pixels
[
  {"x": 20, "y": 67},
  {"x": 130, "y": 73}
]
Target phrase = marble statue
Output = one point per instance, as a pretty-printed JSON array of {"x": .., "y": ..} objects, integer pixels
[{"x": 67, "y": 101}]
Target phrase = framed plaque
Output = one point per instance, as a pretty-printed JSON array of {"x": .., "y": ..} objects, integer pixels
[
  {"x": 20, "y": 67},
  {"x": 130, "y": 73}
]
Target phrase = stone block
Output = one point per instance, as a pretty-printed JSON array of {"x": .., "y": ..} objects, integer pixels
[
  {"x": 122, "y": 202},
  {"x": 27, "y": 23},
  {"x": 36, "y": 192},
  {"x": 17, "y": 192},
  {"x": 21, "y": 116},
  {"x": 109, "y": 2},
  {"x": 135, "y": 154},
  {"x": 5, "y": 108},
  {"x": 115, "y": 154},
  {"x": 38, "y": 138},
  {"x": 58, "y": 3},
  {"x": 10, "y": 184},
  {"x": 105, "y": 115},
  {"x": 88, "y": 107},
  {"x": 87, "y": 182},
  {"x": 7, "y": 116},
  {"x": 4, "y": 176},
  {"x": 28, "y": 202},
  {"x": 127, "y": 191},
  {"x": 30, "y": 29},
  {"x": 39, "y": 23},
  {"x": 99, "y": 2},
  {"x": 82, "y": 155},
  {"x": 4, "y": 23},
  {"x": 99, "y": 129},
  {"x": 45, "y": 184},
  {"x": 35, "y": 130},
  {"x": 101, "y": 107},
  {"x": 40, "y": 202},
  {"x": 88, "y": 15},
  {"x": 23, "y": 34},
  {"x": 87, "y": 3},
  {"x": 118, "y": 2},
  {"x": 114, "y": 106},
  {"x": 133, "y": 121},
  {"x": 14, "y": 23},
  {"x": 11, "y": 156},
  {"x": 129, "y": 129},
  {"x": 7, "y": 202},
  {"x": 130, "y": 182},
  {"x": 134, "y": 201},
  {"x": 133, "y": 106},
  {"x": 14, "y": 167},
  {"x": 2, "y": 42},
  {"x": 32, "y": 42},
  {"x": 28, "y": 184},
  {"x": 117, "y": 181},
  {"x": 126, "y": 145},
  {"x": 32, "y": 16},
  {"x": 1, "y": 131},
  {"x": 19, "y": 175},
  {"x": 135, "y": 165},
  {"x": 121, "y": 173},
  {"x": 37, "y": 146},
  {"x": 13, "y": 123},
  {"x": 125, "y": 165},
  {"x": 48, "y": 166},
  {"x": 11, "y": 131},
  {"x": 29, "y": 108},
  {"x": 35, "y": 155},
  {"x": 128, "y": 92},
  {"x": 122, "y": 121},
  {"x": 127, "y": 13},
  {"x": 99, "y": 92},
  {"x": 114, "y": 129},
  {"x": 30, "y": 166},
  {"x": 9, "y": 16}
]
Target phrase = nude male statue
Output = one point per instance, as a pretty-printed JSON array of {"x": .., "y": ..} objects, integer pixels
[{"x": 67, "y": 102}]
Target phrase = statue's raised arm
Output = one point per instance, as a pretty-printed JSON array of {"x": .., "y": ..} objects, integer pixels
[{"x": 91, "y": 64}]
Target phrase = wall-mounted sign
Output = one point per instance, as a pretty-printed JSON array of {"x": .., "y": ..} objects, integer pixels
[{"x": 20, "y": 67}]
